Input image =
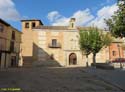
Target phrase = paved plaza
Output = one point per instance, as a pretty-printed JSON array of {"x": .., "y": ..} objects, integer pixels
[
  {"x": 115, "y": 77},
  {"x": 39, "y": 79}
]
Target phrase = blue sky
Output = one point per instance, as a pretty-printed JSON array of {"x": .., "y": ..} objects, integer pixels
[{"x": 57, "y": 12}]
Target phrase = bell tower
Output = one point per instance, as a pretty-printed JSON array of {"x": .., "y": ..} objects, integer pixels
[
  {"x": 28, "y": 38},
  {"x": 30, "y": 24},
  {"x": 72, "y": 23}
]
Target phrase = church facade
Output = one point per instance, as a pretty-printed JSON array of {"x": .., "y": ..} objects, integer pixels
[{"x": 59, "y": 44}]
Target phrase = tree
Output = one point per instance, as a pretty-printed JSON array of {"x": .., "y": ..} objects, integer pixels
[
  {"x": 116, "y": 24},
  {"x": 84, "y": 43},
  {"x": 93, "y": 40}
]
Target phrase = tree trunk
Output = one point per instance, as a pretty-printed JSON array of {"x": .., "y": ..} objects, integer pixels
[
  {"x": 121, "y": 65},
  {"x": 87, "y": 61},
  {"x": 94, "y": 59}
]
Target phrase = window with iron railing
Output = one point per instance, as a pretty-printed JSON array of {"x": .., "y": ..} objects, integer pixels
[{"x": 54, "y": 44}]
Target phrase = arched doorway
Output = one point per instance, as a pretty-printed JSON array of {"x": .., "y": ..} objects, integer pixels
[{"x": 72, "y": 59}]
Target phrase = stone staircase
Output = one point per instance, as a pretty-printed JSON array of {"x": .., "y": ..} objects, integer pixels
[
  {"x": 46, "y": 63},
  {"x": 27, "y": 64}
]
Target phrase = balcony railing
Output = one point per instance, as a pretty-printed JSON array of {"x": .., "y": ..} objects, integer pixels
[{"x": 57, "y": 45}]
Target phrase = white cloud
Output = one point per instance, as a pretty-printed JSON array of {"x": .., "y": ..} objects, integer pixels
[
  {"x": 53, "y": 15},
  {"x": 104, "y": 13},
  {"x": 84, "y": 17},
  {"x": 63, "y": 21},
  {"x": 8, "y": 10},
  {"x": 57, "y": 19}
]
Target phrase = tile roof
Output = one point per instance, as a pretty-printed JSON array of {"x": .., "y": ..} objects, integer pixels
[
  {"x": 53, "y": 27},
  {"x": 7, "y": 24},
  {"x": 32, "y": 20},
  {"x": 59, "y": 27}
]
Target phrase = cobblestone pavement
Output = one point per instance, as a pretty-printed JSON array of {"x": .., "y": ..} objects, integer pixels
[
  {"x": 53, "y": 80},
  {"x": 116, "y": 77}
]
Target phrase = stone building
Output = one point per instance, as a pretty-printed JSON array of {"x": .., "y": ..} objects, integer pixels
[
  {"x": 10, "y": 39},
  {"x": 59, "y": 44}
]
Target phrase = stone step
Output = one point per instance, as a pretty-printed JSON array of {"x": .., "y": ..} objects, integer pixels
[
  {"x": 27, "y": 64},
  {"x": 47, "y": 63}
]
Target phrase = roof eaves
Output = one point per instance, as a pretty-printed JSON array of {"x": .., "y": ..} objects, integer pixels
[{"x": 4, "y": 22}]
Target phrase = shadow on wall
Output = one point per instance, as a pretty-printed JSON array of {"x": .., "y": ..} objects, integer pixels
[{"x": 40, "y": 58}]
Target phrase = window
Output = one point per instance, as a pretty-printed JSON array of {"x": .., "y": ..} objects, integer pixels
[
  {"x": 114, "y": 53},
  {"x": 54, "y": 42},
  {"x": 33, "y": 24},
  {"x": 13, "y": 35},
  {"x": 12, "y": 46},
  {"x": 1, "y": 28},
  {"x": 26, "y": 25}
]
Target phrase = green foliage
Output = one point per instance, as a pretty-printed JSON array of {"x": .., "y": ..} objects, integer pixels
[
  {"x": 84, "y": 42},
  {"x": 93, "y": 40},
  {"x": 116, "y": 23}
]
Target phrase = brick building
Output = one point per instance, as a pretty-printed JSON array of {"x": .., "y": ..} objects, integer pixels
[{"x": 116, "y": 49}]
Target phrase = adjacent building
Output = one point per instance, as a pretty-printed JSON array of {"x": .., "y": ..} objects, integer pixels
[
  {"x": 59, "y": 44},
  {"x": 10, "y": 39},
  {"x": 116, "y": 49}
]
